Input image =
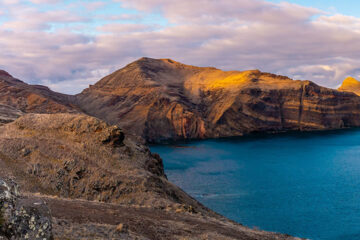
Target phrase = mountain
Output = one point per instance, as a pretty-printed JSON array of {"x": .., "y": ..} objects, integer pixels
[
  {"x": 32, "y": 98},
  {"x": 163, "y": 100},
  {"x": 80, "y": 178},
  {"x": 350, "y": 84}
]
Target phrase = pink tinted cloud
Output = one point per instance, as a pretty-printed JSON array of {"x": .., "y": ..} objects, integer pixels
[
  {"x": 124, "y": 28},
  {"x": 26, "y": 18},
  {"x": 45, "y": 1},
  {"x": 234, "y": 35}
]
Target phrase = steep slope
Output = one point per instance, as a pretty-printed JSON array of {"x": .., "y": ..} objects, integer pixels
[
  {"x": 350, "y": 84},
  {"x": 8, "y": 114},
  {"x": 161, "y": 99},
  {"x": 100, "y": 184},
  {"x": 32, "y": 98}
]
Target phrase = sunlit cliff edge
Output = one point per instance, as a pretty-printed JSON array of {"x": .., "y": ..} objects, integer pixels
[{"x": 350, "y": 84}]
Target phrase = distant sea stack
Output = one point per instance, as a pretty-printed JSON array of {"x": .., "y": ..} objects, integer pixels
[
  {"x": 162, "y": 100},
  {"x": 350, "y": 84}
]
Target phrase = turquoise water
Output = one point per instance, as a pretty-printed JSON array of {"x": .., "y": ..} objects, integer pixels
[{"x": 305, "y": 184}]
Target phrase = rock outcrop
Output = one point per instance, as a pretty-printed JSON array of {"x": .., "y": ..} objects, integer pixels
[
  {"x": 21, "y": 218},
  {"x": 8, "y": 114},
  {"x": 350, "y": 84},
  {"x": 32, "y": 98},
  {"x": 77, "y": 156},
  {"x": 100, "y": 184},
  {"x": 161, "y": 100}
]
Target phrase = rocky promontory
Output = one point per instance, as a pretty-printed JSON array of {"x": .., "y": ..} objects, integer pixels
[{"x": 162, "y": 100}]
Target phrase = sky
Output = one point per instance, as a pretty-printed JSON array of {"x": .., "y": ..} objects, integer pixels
[{"x": 68, "y": 45}]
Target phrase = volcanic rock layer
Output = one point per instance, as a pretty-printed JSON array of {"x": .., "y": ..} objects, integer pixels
[{"x": 162, "y": 100}]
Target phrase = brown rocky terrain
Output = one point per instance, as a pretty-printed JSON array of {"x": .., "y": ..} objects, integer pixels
[
  {"x": 96, "y": 183},
  {"x": 160, "y": 100},
  {"x": 350, "y": 84},
  {"x": 8, "y": 114},
  {"x": 95, "y": 180},
  {"x": 32, "y": 98}
]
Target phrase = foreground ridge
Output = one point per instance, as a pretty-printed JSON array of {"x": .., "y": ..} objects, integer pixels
[{"x": 96, "y": 183}]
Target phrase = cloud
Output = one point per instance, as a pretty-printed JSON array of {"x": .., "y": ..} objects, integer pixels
[
  {"x": 10, "y": 2},
  {"x": 44, "y": 1},
  {"x": 212, "y": 11},
  {"x": 122, "y": 28},
  {"x": 94, "y": 5},
  {"x": 284, "y": 38},
  {"x": 80, "y": 83},
  {"x": 30, "y": 19},
  {"x": 340, "y": 21}
]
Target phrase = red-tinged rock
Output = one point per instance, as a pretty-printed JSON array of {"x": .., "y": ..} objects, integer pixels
[{"x": 33, "y": 98}]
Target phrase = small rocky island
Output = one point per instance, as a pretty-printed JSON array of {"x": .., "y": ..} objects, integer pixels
[{"x": 77, "y": 167}]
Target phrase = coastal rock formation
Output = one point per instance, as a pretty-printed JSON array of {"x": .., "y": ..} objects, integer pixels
[
  {"x": 350, "y": 84},
  {"x": 161, "y": 100},
  {"x": 101, "y": 184},
  {"x": 32, "y": 98}
]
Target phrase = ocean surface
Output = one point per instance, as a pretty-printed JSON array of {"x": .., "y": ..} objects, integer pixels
[{"x": 302, "y": 184}]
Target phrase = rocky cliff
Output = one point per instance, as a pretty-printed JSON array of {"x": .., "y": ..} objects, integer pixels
[
  {"x": 160, "y": 100},
  {"x": 32, "y": 98},
  {"x": 350, "y": 84},
  {"x": 8, "y": 114},
  {"x": 94, "y": 182}
]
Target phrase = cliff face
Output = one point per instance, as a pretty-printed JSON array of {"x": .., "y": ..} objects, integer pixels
[
  {"x": 350, "y": 84},
  {"x": 32, "y": 98},
  {"x": 8, "y": 114},
  {"x": 96, "y": 183},
  {"x": 161, "y": 99},
  {"x": 77, "y": 156}
]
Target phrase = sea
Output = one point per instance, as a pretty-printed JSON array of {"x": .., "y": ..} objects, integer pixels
[{"x": 303, "y": 184}]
